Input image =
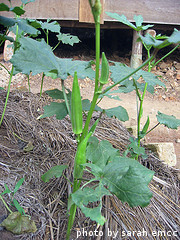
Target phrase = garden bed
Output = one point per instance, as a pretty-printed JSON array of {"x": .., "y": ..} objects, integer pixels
[{"x": 54, "y": 144}]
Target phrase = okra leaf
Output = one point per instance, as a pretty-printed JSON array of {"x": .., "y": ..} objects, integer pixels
[
  {"x": 99, "y": 152},
  {"x": 119, "y": 71},
  {"x": 168, "y": 120},
  {"x": 128, "y": 180},
  {"x": 7, "y": 22},
  {"x": 55, "y": 171},
  {"x": 110, "y": 94},
  {"x": 51, "y": 26},
  {"x": 4, "y": 7},
  {"x": 89, "y": 195},
  {"x": 25, "y": 27},
  {"x": 118, "y": 112},
  {"x": 34, "y": 56},
  {"x": 55, "y": 93},
  {"x": 17, "y": 10},
  {"x": 58, "y": 109},
  {"x": 4, "y": 37},
  {"x": 122, "y": 19},
  {"x": 152, "y": 41},
  {"x": 86, "y": 104},
  {"x": 66, "y": 38},
  {"x": 138, "y": 20},
  {"x": 67, "y": 67}
]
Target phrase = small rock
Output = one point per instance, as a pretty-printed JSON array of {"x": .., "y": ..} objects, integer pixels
[
  {"x": 165, "y": 152},
  {"x": 177, "y": 66},
  {"x": 178, "y": 75},
  {"x": 164, "y": 65}
]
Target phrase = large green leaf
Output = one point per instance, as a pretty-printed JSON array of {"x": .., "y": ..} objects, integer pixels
[
  {"x": 168, "y": 120},
  {"x": 24, "y": 26},
  {"x": 55, "y": 171},
  {"x": 119, "y": 71},
  {"x": 124, "y": 177},
  {"x": 86, "y": 104},
  {"x": 66, "y": 38},
  {"x": 55, "y": 93},
  {"x": 51, "y": 26},
  {"x": 118, "y": 112},
  {"x": 58, "y": 109},
  {"x": 4, "y": 7},
  {"x": 34, "y": 56},
  {"x": 138, "y": 20},
  {"x": 128, "y": 180},
  {"x": 88, "y": 195},
  {"x": 99, "y": 152},
  {"x": 156, "y": 43},
  {"x": 67, "y": 67}
]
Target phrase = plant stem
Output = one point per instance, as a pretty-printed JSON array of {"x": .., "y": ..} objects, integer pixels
[
  {"x": 5, "y": 204},
  {"x": 97, "y": 26},
  {"x": 7, "y": 96},
  {"x": 133, "y": 72},
  {"x": 42, "y": 80},
  {"x": 166, "y": 55},
  {"x": 65, "y": 98},
  {"x": 5, "y": 68}
]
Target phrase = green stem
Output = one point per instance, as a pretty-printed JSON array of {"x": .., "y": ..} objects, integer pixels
[
  {"x": 7, "y": 96},
  {"x": 56, "y": 46},
  {"x": 97, "y": 26},
  {"x": 42, "y": 80},
  {"x": 5, "y": 204},
  {"x": 166, "y": 55},
  {"x": 5, "y": 68},
  {"x": 65, "y": 98},
  {"x": 133, "y": 72}
]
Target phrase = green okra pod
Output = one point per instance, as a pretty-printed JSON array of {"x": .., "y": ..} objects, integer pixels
[
  {"x": 76, "y": 107},
  {"x": 80, "y": 157},
  {"x": 104, "y": 70}
]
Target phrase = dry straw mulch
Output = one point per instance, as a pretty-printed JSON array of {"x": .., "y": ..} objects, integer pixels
[{"x": 54, "y": 144}]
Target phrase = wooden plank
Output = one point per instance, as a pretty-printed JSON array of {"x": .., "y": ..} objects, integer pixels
[
  {"x": 85, "y": 14},
  {"x": 54, "y": 9},
  {"x": 153, "y": 11}
]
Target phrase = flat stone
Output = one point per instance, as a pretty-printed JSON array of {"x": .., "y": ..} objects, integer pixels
[
  {"x": 8, "y": 51},
  {"x": 165, "y": 152},
  {"x": 178, "y": 75}
]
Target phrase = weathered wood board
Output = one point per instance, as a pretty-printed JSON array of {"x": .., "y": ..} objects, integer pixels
[{"x": 153, "y": 11}]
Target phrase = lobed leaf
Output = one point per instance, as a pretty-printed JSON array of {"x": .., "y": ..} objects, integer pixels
[
  {"x": 4, "y": 7},
  {"x": 55, "y": 171},
  {"x": 88, "y": 195},
  {"x": 99, "y": 152},
  {"x": 66, "y": 38},
  {"x": 168, "y": 120},
  {"x": 86, "y": 104},
  {"x": 55, "y": 93},
  {"x": 128, "y": 180},
  {"x": 58, "y": 109},
  {"x": 118, "y": 112}
]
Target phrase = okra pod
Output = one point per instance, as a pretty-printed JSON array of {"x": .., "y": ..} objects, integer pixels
[
  {"x": 104, "y": 70},
  {"x": 76, "y": 107},
  {"x": 80, "y": 157}
]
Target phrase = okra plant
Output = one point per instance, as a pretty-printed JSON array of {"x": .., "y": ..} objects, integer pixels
[
  {"x": 112, "y": 173},
  {"x": 28, "y": 28}
]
